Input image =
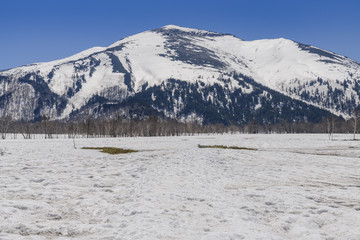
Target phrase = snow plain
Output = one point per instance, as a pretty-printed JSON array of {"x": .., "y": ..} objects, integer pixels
[{"x": 292, "y": 187}]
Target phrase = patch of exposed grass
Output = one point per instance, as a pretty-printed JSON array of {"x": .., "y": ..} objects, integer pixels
[
  {"x": 226, "y": 147},
  {"x": 93, "y": 148},
  {"x": 111, "y": 150}
]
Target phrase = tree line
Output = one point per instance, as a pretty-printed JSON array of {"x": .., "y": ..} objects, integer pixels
[{"x": 155, "y": 126}]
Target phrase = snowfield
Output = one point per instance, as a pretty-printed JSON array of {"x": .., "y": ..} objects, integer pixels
[{"x": 292, "y": 187}]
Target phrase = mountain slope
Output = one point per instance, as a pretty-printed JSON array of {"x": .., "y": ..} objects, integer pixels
[{"x": 164, "y": 70}]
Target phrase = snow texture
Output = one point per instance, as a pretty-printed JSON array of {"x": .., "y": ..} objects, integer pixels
[{"x": 292, "y": 187}]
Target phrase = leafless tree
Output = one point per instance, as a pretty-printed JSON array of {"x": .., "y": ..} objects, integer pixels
[
  {"x": 26, "y": 130},
  {"x": 47, "y": 126},
  {"x": 5, "y": 124},
  {"x": 355, "y": 115},
  {"x": 331, "y": 127},
  {"x": 73, "y": 131}
]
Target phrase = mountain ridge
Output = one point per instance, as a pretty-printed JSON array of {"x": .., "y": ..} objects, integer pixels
[{"x": 61, "y": 88}]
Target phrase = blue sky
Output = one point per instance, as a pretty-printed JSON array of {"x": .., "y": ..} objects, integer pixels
[{"x": 37, "y": 30}]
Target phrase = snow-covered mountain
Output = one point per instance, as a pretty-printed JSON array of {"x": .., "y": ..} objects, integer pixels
[{"x": 186, "y": 73}]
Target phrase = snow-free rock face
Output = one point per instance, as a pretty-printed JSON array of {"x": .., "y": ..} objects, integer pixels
[{"x": 186, "y": 73}]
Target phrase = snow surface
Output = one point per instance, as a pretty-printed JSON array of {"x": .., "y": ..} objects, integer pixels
[
  {"x": 184, "y": 29},
  {"x": 293, "y": 187}
]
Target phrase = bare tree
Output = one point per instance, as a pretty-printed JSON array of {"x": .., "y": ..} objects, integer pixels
[
  {"x": 331, "y": 127},
  {"x": 26, "y": 130},
  {"x": 46, "y": 124},
  {"x": 355, "y": 115},
  {"x": 5, "y": 123},
  {"x": 73, "y": 131}
]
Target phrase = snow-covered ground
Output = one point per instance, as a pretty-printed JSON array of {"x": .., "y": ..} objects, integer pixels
[{"x": 292, "y": 187}]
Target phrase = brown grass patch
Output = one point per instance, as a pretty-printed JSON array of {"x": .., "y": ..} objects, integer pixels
[
  {"x": 226, "y": 147},
  {"x": 111, "y": 150}
]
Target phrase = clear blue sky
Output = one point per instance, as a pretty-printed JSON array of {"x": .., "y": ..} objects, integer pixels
[{"x": 43, "y": 30}]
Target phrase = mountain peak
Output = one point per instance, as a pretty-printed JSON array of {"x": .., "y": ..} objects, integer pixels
[
  {"x": 184, "y": 29},
  {"x": 174, "y": 29},
  {"x": 171, "y": 26}
]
